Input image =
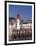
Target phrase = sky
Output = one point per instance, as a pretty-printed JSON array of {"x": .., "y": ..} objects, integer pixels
[{"x": 25, "y": 12}]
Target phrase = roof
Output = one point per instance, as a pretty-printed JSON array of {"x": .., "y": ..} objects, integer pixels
[
  {"x": 11, "y": 18},
  {"x": 26, "y": 22}
]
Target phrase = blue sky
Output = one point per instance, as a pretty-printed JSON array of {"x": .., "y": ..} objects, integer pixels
[{"x": 24, "y": 11}]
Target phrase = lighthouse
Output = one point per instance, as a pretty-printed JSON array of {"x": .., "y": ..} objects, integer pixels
[{"x": 18, "y": 22}]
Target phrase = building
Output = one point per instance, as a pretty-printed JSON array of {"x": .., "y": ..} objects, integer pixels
[
  {"x": 12, "y": 22},
  {"x": 18, "y": 22},
  {"x": 27, "y": 24},
  {"x": 11, "y": 25}
]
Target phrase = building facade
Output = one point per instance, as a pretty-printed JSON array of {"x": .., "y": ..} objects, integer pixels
[{"x": 14, "y": 24}]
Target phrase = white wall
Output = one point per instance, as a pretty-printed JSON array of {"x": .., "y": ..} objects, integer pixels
[
  {"x": 18, "y": 24},
  {"x": 35, "y": 22},
  {"x": 27, "y": 25},
  {"x": 22, "y": 0}
]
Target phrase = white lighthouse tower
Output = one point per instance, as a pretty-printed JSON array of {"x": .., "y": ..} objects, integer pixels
[{"x": 18, "y": 22}]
